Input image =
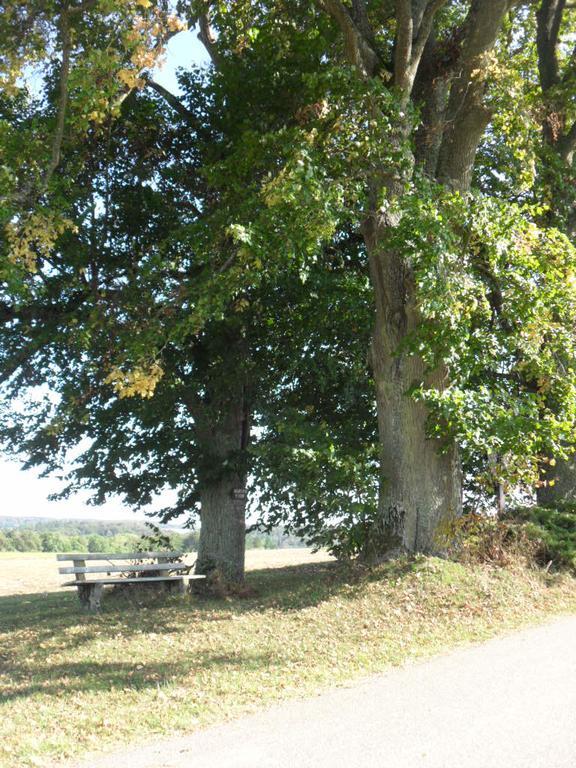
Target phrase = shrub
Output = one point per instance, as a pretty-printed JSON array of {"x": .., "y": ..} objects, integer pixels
[
  {"x": 483, "y": 539},
  {"x": 553, "y": 530}
]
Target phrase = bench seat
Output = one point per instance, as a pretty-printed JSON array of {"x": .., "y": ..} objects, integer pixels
[{"x": 137, "y": 580}]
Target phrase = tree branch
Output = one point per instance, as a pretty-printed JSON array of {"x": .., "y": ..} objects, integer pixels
[
  {"x": 87, "y": 5},
  {"x": 424, "y": 30},
  {"x": 42, "y": 312},
  {"x": 567, "y": 144},
  {"x": 548, "y": 18},
  {"x": 197, "y": 125},
  {"x": 358, "y": 49},
  {"x": 62, "y": 102},
  {"x": 206, "y": 35},
  {"x": 170, "y": 99},
  {"x": 403, "y": 47},
  {"x": 414, "y": 29},
  {"x": 467, "y": 115}
]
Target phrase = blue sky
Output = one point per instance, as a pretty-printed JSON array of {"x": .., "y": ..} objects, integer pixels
[
  {"x": 183, "y": 49},
  {"x": 23, "y": 492}
]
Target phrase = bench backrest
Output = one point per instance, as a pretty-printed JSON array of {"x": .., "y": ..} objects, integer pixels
[{"x": 112, "y": 563}]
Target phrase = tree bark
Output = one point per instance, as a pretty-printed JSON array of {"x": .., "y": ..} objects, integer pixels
[
  {"x": 223, "y": 528},
  {"x": 421, "y": 485},
  {"x": 223, "y": 433}
]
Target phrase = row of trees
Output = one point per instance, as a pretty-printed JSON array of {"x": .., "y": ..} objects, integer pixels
[
  {"x": 32, "y": 539},
  {"x": 333, "y": 275},
  {"x": 29, "y": 540}
]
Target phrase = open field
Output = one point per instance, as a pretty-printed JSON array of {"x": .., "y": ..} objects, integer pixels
[
  {"x": 72, "y": 683},
  {"x": 28, "y": 572}
]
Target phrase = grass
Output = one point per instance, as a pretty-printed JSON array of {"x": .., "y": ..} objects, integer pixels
[{"x": 72, "y": 683}]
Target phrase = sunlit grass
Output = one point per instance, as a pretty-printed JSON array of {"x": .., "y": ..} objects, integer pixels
[{"x": 72, "y": 683}]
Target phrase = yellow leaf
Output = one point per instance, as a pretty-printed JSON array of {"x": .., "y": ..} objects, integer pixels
[{"x": 128, "y": 77}]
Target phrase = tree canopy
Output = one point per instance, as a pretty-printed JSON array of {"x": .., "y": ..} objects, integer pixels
[{"x": 337, "y": 266}]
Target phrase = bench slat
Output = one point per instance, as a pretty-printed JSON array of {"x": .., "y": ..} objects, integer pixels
[
  {"x": 118, "y": 555},
  {"x": 129, "y": 581},
  {"x": 127, "y": 568}
]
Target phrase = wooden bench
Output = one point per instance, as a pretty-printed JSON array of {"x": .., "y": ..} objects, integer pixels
[{"x": 165, "y": 568}]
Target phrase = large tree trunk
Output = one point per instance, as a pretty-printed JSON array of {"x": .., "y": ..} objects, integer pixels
[
  {"x": 223, "y": 528},
  {"x": 421, "y": 484},
  {"x": 223, "y": 431}
]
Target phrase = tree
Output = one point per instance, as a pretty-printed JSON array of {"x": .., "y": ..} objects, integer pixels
[
  {"x": 315, "y": 121},
  {"x": 153, "y": 293},
  {"x": 421, "y": 486},
  {"x": 26, "y": 541},
  {"x": 531, "y": 141},
  {"x": 54, "y": 542},
  {"x": 491, "y": 280},
  {"x": 97, "y": 543},
  {"x": 556, "y": 184}
]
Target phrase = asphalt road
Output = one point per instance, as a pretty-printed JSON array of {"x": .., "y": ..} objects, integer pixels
[{"x": 508, "y": 703}]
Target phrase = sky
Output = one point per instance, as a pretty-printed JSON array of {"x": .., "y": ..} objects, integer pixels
[{"x": 23, "y": 492}]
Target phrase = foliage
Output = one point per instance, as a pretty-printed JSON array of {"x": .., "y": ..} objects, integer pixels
[
  {"x": 489, "y": 540},
  {"x": 315, "y": 465},
  {"x": 497, "y": 294},
  {"x": 536, "y": 536},
  {"x": 105, "y": 536},
  {"x": 553, "y": 531}
]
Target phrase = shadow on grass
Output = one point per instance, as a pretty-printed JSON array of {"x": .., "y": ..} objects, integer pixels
[
  {"x": 91, "y": 676},
  {"x": 37, "y": 625},
  {"x": 294, "y": 588},
  {"x": 291, "y": 587}
]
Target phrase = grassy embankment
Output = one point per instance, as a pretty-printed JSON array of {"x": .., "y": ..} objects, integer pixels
[{"x": 71, "y": 683}]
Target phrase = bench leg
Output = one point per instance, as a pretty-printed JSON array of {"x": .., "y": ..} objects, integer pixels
[{"x": 90, "y": 596}]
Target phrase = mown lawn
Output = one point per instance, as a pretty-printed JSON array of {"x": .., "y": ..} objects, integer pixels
[{"x": 71, "y": 683}]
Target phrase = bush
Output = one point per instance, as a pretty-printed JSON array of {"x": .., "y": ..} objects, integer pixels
[
  {"x": 553, "y": 530},
  {"x": 482, "y": 539}
]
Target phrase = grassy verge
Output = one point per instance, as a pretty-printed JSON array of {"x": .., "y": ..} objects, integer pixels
[{"x": 71, "y": 683}]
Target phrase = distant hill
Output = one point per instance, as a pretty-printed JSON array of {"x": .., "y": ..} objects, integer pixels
[{"x": 80, "y": 526}]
